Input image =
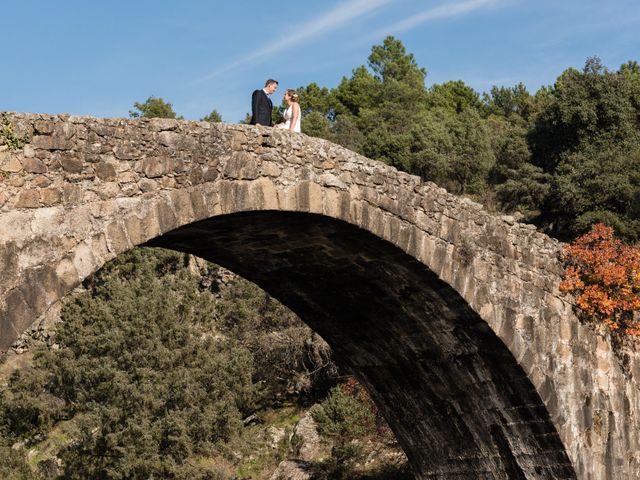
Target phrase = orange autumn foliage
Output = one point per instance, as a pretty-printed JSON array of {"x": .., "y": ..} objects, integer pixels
[{"x": 604, "y": 274}]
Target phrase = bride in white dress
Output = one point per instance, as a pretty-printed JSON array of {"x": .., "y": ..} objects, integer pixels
[{"x": 292, "y": 116}]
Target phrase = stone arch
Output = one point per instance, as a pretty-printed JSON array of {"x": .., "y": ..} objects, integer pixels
[{"x": 504, "y": 333}]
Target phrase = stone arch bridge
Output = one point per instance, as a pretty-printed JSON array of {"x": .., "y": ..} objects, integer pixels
[{"x": 449, "y": 315}]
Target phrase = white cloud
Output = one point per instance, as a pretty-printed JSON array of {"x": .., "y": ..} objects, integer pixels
[
  {"x": 331, "y": 20},
  {"x": 443, "y": 11}
]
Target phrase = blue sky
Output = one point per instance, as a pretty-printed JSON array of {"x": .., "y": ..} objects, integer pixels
[{"x": 98, "y": 58}]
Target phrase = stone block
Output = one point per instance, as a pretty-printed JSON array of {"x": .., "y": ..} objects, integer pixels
[
  {"x": 210, "y": 174},
  {"x": 84, "y": 260},
  {"x": 126, "y": 151},
  {"x": 44, "y": 127},
  {"x": 41, "y": 181},
  {"x": 150, "y": 224},
  {"x": 72, "y": 194},
  {"x": 128, "y": 177},
  {"x": 43, "y": 288},
  {"x": 105, "y": 171},
  {"x": 181, "y": 202},
  {"x": 163, "y": 124},
  {"x": 330, "y": 180},
  {"x": 129, "y": 189},
  {"x": 28, "y": 199},
  {"x": 117, "y": 240},
  {"x": 147, "y": 185},
  {"x": 198, "y": 205},
  {"x": 34, "y": 165},
  {"x": 270, "y": 169},
  {"x": 167, "y": 219},
  {"x": 8, "y": 260},
  {"x": 287, "y": 198},
  {"x": 16, "y": 181},
  {"x": 176, "y": 141},
  {"x": 51, "y": 196},
  {"x": 196, "y": 175},
  {"x": 71, "y": 164},
  {"x": 67, "y": 274},
  {"x": 16, "y": 319},
  {"x": 9, "y": 163},
  {"x": 177, "y": 165},
  {"x": 238, "y": 200},
  {"x": 48, "y": 142},
  {"x": 241, "y": 166},
  {"x": 155, "y": 167},
  {"x": 135, "y": 230},
  {"x": 107, "y": 190},
  {"x": 238, "y": 140},
  {"x": 263, "y": 195},
  {"x": 302, "y": 196}
]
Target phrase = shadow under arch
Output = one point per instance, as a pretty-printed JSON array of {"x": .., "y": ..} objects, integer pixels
[{"x": 454, "y": 395}]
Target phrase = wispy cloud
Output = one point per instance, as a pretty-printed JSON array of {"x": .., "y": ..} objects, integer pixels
[
  {"x": 446, "y": 10},
  {"x": 331, "y": 20}
]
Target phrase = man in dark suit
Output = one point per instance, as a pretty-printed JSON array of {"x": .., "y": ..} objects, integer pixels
[{"x": 261, "y": 104}]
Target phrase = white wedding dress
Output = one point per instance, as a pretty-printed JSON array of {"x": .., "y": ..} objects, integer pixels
[{"x": 288, "y": 114}]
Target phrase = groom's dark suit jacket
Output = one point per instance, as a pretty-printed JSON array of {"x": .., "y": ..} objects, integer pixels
[{"x": 261, "y": 106}]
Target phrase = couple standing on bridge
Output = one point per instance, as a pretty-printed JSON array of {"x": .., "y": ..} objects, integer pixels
[{"x": 262, "y": 106}]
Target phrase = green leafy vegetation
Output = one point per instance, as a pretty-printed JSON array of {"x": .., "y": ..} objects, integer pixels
[
  {"x": 142, "y": 371},
  {"x": 349, "y": 420},
  {"x": 213, "y": 117},
  {"x": 153, "y": 107},
  {"x": 10, "y": 138},
  {"x": 157, "y": 363},
  {"x": 564, "y": 158}
]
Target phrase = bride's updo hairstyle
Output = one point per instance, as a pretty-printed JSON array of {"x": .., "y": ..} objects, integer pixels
[{"x": 293, "y": 95}]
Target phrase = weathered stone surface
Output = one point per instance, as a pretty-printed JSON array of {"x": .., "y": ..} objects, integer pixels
[
  {"x": 33, "y": 165},
  {"x": 105, "y": 171},
  {"x": 307, "y": 431},
  {"x": 452, "y": 318},
  {"x": 72, "y": 164},
  {"x": 28, "y": 199},
  {"x": 41, "y": 181},
  {"x": 292, "y": 470},
  {"x": 46, "y": 142},
  {"x": 50, "y": 196}
]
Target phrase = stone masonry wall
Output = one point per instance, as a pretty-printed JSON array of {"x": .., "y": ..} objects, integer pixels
[{"x": 84, "y": 190}]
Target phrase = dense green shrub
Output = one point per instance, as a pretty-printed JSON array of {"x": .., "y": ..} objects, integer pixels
[{"x": 142, "y": 361}]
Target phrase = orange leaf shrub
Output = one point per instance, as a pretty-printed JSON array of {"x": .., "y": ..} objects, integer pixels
[{"x": 604, "y": 274}]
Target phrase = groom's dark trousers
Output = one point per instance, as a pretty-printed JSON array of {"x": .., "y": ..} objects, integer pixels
[{"x": 261, "y": 107}]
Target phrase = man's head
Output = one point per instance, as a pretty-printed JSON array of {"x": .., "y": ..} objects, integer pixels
[{"x": 271, "y": 86}]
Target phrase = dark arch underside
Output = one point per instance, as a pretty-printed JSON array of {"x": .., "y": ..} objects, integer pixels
[{"x": 460, "y": 405}]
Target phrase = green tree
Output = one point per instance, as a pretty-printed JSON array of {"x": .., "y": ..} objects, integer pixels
[
  {"x": 452, "y": 150},
  {"x": 141, "y": 369},
  {"x": 593, "y": 107},
  {"x": 519, "y": 185},
  {"x": 153, "y": 108},
  {"x": 590, "y": 187},
  {"x": 357, "y": 93},
  {"x": 13, "y": 464},
  {"x": 513, "y": 103},
  {"x": 213, "y": 117},
  {"x": 391, "y": 62},
  {"x": 454, "y": 97},
  {"x": 381, "y": 104},
  {"x": 289, "y": 359},
  {"x": 588, "y": 139},
  {"x": 314, "y": 98}
]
